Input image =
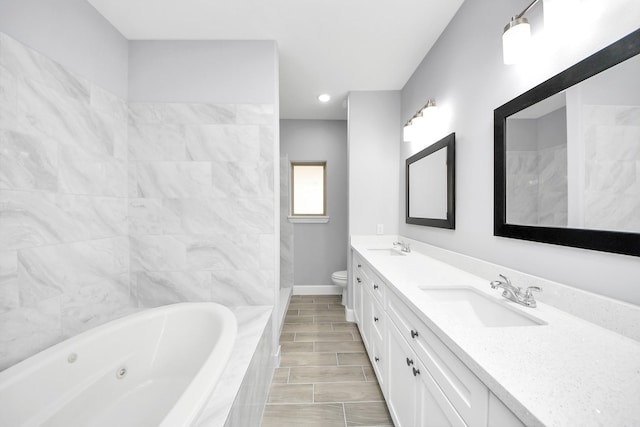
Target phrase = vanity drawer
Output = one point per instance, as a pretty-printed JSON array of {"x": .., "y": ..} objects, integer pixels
[
  {"x": 465, "y": 391},
  {"x": 376, "y": 286},
  {"x": 378, "y": 361},
  {"x": 378, "y": 319}
]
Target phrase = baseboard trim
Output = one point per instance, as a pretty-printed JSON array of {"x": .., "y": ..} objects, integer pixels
[
  {"x": 350, "y": 315},
  {"x": 317, "y": 290}
]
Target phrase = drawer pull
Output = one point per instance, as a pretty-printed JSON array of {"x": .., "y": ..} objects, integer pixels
[
  {"x": 375, "y": 286},
  {"x": 414, "y": 333},
  {"x": 375, "y": 319},
  {"x": 409, "y": 362},
  {"x": 416, "y": 372},
  {"x": 377, "y": 359},
  {"x": 359, "y": 280}
]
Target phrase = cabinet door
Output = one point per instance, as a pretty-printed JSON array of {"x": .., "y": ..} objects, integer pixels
[
  {"x": 357, "y": 289},
  {"x": 367, "y": 319},
  {"x": 434, "y": 409},
  {"x": 401, "y": 383},
  {"x": 378, "y": 356},
  {"x": 360, "y": 281}
]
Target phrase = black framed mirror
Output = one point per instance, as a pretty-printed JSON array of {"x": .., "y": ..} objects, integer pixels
[
  {"x": 430, "y": 185},
  {"x": 567, "y": 156}
]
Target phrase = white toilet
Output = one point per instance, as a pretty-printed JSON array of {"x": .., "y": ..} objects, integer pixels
[{"x": 339, "y": 278}]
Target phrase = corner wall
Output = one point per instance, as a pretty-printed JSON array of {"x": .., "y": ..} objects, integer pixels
[
  {"x": 465, "y": 74},
  {"x": 374, "y": 136}
]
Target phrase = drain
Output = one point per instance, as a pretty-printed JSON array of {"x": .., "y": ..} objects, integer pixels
[
  {"x": 121, "y": 372},
  {"x": 72, "y": 357}
]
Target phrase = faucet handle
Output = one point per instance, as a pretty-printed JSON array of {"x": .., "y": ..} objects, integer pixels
[
  {"x": 495, "y": 283},
  {"x": 528, "y": 293},
  {"x": 506, "y": 279},
  {"x": 528, "y": 296}
]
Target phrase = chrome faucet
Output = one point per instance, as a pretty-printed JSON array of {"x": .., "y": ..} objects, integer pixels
[
  {"x": 515, "y": 293},
  {"x": 404, "y": 247}
]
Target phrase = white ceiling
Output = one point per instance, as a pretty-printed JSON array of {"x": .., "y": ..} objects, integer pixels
[{"x": 325, "y": 46}]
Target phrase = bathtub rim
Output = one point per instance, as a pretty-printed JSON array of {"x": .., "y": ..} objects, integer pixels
[{"x": 206, "y": 376}]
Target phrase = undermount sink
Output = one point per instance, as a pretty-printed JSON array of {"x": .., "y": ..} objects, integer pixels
[
  {"x": 388, "y": 251},
  {"x": 471, "y": 307}
]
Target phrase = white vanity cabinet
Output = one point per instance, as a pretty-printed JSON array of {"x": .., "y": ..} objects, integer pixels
[
  {"x": 413, "y": 397},
  {"x": 465, "y": 392},
  {"x": 372, "y": 319},
  {"x": 423, "y": 381}
]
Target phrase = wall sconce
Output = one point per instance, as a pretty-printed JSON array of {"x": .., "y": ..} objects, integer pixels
[
  {"x": 416, "y": 125},
  {"x": 516, "y": 39}
]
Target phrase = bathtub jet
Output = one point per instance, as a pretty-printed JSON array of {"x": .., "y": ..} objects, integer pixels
[{"x": 157, "y": 367}]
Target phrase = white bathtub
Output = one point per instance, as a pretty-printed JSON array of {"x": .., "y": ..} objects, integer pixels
[{"x": 154, "y": 368}]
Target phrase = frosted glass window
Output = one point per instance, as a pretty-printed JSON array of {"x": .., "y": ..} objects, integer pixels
[{"x": 308, "y": 188}]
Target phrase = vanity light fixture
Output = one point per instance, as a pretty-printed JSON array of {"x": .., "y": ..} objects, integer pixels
[
  {"x": 415, "y": 125},
  {"x": 325, "y": 97},
  {"x": 516, "y": 39}
]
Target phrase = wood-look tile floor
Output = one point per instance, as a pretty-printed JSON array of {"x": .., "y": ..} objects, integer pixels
[{"x": 325, "y": 378}]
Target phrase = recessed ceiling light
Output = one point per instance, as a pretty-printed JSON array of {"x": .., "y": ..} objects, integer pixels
[{"x": 325, "y": 97}]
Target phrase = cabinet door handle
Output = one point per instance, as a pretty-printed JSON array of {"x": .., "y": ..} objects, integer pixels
[
  {"x": 375, "y": 286},
  {"x": 414, "y": 333},
  {"x": 375, "y": 319},
  {"x": 377, "y": 359},
  {"x": 416, "y": 372},
  {"x": 359, "y": 280},
  {"x": 409, "y": 362}
]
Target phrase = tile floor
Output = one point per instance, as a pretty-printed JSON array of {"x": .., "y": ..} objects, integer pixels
[{"x": 325, "y": 378}]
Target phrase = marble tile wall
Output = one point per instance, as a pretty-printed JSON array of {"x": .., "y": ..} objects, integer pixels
[
  {"x": 201, "y": 203},
  {"x": 64, "y": 246},
  {"x": 611, "y": 136},
  {"x": 537, "y": 187},
  {"x": 108, "y": 207}
]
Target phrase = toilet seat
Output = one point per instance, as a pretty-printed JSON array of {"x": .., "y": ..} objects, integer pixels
[{"x": 340, "y": 275}]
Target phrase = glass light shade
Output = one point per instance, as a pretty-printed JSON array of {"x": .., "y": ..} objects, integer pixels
[
  {"x": 420, "y": 126},
  {"x": 408, "y": 133},
  {"x": 516, "y": 41}
]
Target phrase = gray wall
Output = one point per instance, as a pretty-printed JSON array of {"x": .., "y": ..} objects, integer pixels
[
  {"x": 374, "y": 137},
  {"x": 203, "y": 71},
  {"x": 72, "y": 33},
  {"x": 465, "y": 74},
  {"x": 320, "y": 249}
]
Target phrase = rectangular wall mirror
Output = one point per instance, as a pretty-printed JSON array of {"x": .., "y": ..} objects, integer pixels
[
  {"x": 567, "y": 156},
  {"x": 430, "y": 185}
]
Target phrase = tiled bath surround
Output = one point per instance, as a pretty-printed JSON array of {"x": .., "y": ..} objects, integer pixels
[
  {"x": 64, "y": 246},
  {"x": 201, "y": 206},
  {"x": 612, "y": 171},
  {"x": 537, "y": 187},
  {"x": 107, "y": 207}
]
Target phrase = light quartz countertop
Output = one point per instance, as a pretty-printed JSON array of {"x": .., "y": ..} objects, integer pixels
[{"x": 568, "y": 372}]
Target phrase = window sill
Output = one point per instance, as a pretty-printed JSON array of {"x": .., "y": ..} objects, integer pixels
[{"x": 311, "y": 219}]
